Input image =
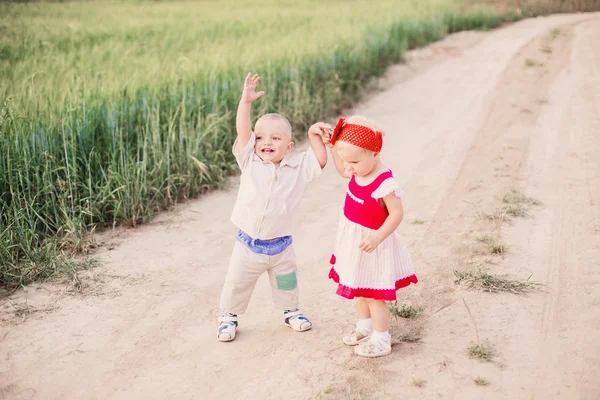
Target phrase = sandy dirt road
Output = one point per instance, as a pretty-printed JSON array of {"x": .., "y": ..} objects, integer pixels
[{"x": 468, "y": 120}]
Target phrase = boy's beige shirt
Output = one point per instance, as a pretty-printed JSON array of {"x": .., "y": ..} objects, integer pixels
[{"x": 267, "y": 205}]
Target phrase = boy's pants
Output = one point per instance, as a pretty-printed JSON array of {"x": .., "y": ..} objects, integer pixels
[{"x": 244, "y": 269}]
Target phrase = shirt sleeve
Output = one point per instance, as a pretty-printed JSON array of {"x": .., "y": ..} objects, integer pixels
[
  {"x": 310, "y": 167},
  {"x": 244, "y": 156},
  {"x": 388, "y": 186}
]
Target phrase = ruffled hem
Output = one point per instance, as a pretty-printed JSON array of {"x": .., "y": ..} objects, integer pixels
[{"x": 377, "y": 294}]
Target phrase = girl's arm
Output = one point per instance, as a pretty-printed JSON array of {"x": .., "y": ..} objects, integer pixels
[
  {"x": 394, "y": 205},
  {"x": 339, "y": 164},
  {"x": 315, "y": 138}
]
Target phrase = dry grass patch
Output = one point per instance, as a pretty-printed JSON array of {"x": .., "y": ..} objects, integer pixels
[
  {"x": 516, "y": 197},
  {"x": 411, "y": 334},
  {"x": 479, "y": 381},
  {"x": 405, "y": 311},
  {"x": 494, "y": 244},
  {"x": 484, "y": 351},
  {"x": 491, "y": 283},
  {"x": 418, "y": 382},
  {"x": 530, "y": 62}
]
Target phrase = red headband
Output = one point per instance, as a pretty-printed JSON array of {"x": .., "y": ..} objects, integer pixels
[{"x": 357, "y": 135}]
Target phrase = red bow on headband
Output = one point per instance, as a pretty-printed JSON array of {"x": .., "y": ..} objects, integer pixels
[{"x": 357, "y": 135}]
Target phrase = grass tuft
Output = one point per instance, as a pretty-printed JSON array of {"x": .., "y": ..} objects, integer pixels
[
  {"x": 484, "y": 351},
  {"x": 411, "y": 336},
  {"x": 479, "y": 381},
  {"x": 486, "y": 282},
  {"x": 418, "y": 382},
  {"x": 530, "y": 62},
  {"x": 494, "y": 244},
  {"x": 516, "y": 197},
  {"x": 405, "y": 311}
]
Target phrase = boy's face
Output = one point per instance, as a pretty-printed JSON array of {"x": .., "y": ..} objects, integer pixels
[
  {"x": 273, "y": 140},
  {"x": 357, "y": 161}
]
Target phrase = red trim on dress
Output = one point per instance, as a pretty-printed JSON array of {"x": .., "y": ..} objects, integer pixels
[{"x": 377, "y": 294}]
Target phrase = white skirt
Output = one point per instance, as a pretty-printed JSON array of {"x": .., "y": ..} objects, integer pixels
[{"x": 377, "y": 275}]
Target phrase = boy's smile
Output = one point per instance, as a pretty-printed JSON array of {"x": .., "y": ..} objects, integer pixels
[{"x": 273, "y": 140}]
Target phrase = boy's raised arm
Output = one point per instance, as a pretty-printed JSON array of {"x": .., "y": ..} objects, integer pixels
[{"x": 242, "y": 120}]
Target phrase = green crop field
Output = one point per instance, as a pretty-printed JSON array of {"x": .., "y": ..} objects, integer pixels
[{"x": 111, "y": 111}]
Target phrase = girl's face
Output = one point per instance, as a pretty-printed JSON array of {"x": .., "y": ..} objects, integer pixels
[{"x": 357, "y": 161}]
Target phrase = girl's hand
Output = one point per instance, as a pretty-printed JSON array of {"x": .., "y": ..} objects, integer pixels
[
  {"x": 369, "y": 243},
  {"x": 249, "y": 93}
]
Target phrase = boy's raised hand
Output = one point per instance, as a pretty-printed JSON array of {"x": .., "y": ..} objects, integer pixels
[{"x": 249, "y": 94}]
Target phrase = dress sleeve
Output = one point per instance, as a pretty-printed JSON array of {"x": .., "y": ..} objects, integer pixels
[{"x": 387, "y": 186}]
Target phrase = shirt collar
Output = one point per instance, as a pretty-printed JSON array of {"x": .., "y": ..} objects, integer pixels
[{"x": 289, "y": 160}]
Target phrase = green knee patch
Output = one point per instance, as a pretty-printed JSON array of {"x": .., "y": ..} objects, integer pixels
[{"x": 287, "y": 281}]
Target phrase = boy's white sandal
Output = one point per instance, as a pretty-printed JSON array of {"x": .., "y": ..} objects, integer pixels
[
  {"x": 355, "y": 338},
  {"x": 297, "y": 321},
  {"x": 227, "y": 328},
  {"x": 373, "y": 348}
]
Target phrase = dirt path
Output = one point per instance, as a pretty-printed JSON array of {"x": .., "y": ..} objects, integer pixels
[{"x": 468, "y": 120}]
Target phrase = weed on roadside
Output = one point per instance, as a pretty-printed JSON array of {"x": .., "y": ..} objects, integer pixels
[
  {"x": 405, "y": 311},
  {"x": 494, "y": 244},
  {"x": 411, "y": 336},
  {"x": 486, "y": 282},
  {"x": 484, "y": 351},
  {"x": 418, "y": 382},
  {"x": 530, "y": 62},
  {"x": 479, "y": 381}
]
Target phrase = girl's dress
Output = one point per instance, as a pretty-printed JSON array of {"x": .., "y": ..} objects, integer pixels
[{"x": 378, "y": 274}]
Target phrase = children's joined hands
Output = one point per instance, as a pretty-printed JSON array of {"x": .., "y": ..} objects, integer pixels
[
  {"x": 327, "y": 139},
  {"x": 324, "y": 130},
  {"x": 320, "y": 128}
]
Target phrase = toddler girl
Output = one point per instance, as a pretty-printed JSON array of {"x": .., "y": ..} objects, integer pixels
[{"x": 370, "y": 262}]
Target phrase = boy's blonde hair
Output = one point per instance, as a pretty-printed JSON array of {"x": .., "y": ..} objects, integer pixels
[
  {"x": 275, "y": 116},
  {"x": 363, "y": 121}
]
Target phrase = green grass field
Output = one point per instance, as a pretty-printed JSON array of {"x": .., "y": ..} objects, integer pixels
[
  {"x": 57, "y": 53},
  {"x": 113, "y": 111}
]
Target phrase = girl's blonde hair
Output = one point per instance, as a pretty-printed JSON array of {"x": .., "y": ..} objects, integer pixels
[{"x": 363, "y": 121}]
